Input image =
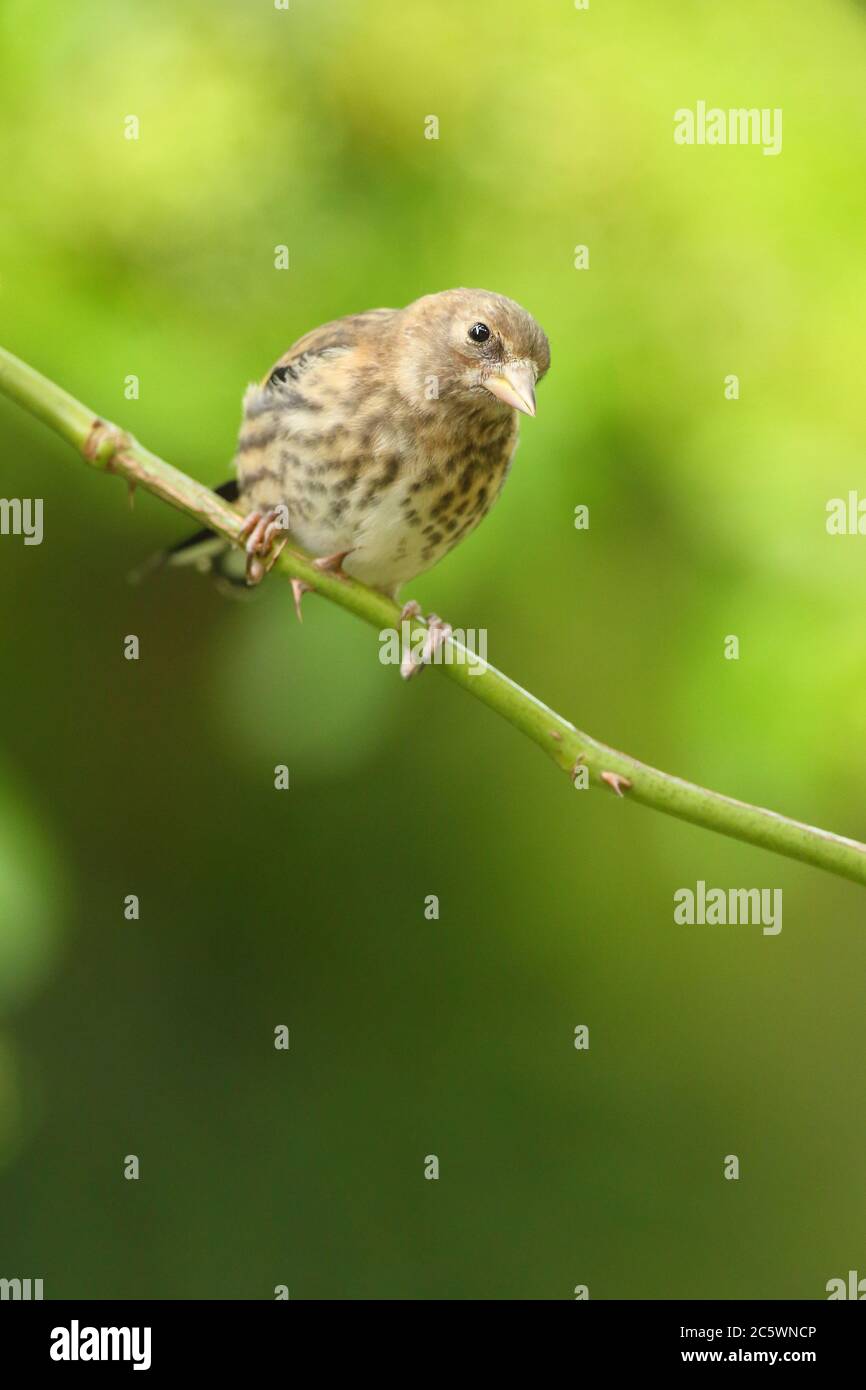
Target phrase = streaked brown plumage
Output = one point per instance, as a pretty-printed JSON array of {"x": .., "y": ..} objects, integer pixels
[{"x": 385, "y": 437}]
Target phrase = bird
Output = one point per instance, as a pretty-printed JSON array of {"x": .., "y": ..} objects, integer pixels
[{"x": 378, "y": 441}]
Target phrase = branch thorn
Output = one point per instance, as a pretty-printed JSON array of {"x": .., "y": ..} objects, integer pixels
[
  {"x": 299, "y": 588},
  {"x": 616, "y": 781}
]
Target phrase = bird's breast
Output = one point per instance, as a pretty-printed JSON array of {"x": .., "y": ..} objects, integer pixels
[{"x": 397, "y": 491}]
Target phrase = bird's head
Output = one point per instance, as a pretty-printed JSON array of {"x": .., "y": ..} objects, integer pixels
[{"x": 471, "y": 346}]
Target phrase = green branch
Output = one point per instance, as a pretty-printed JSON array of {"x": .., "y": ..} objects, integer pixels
[{"x": 112, "y": 450}]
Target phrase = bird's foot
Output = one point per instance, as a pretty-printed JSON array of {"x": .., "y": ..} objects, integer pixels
[
  {"x": 260, "y": 528},
  {"x": 438, "y": 632}
]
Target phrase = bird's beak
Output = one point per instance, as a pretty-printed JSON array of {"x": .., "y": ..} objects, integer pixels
[{"x": 515, "y": 385}]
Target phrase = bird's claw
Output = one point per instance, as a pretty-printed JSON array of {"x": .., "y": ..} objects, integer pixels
[
  {"x": 438, "y": 632},
  {"x": 409, "y": 666},
  {"x": 259, "y": 530}
]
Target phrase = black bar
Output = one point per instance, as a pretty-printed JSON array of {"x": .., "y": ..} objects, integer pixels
[{"x": 226, "y": 1337}]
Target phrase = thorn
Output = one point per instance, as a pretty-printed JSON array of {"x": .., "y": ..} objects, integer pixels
[
  {"x": 409, "y": 667},
  {"x": 333, "y": 564},
  {"x": 412, "y": 609},
  {"x": 299, "y": 588},
  {"x": 617, "y": 781}
]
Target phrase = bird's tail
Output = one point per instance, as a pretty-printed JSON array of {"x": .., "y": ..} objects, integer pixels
[{"x": 204, "y": 551}]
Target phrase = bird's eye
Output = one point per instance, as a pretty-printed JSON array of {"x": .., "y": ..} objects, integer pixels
[{"x": 479, "y": 332}]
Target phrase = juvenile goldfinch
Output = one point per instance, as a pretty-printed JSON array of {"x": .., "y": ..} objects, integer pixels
[{"x": 378, "y": 441}]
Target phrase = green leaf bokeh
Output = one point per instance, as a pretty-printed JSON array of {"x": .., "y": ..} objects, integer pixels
[{"x": 409, "y": 1037}]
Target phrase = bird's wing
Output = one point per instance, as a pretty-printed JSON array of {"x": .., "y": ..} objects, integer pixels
[{"x": 334, "y": 337}]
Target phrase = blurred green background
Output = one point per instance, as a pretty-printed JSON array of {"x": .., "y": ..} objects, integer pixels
[{"x": 409, "y": 1037}]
